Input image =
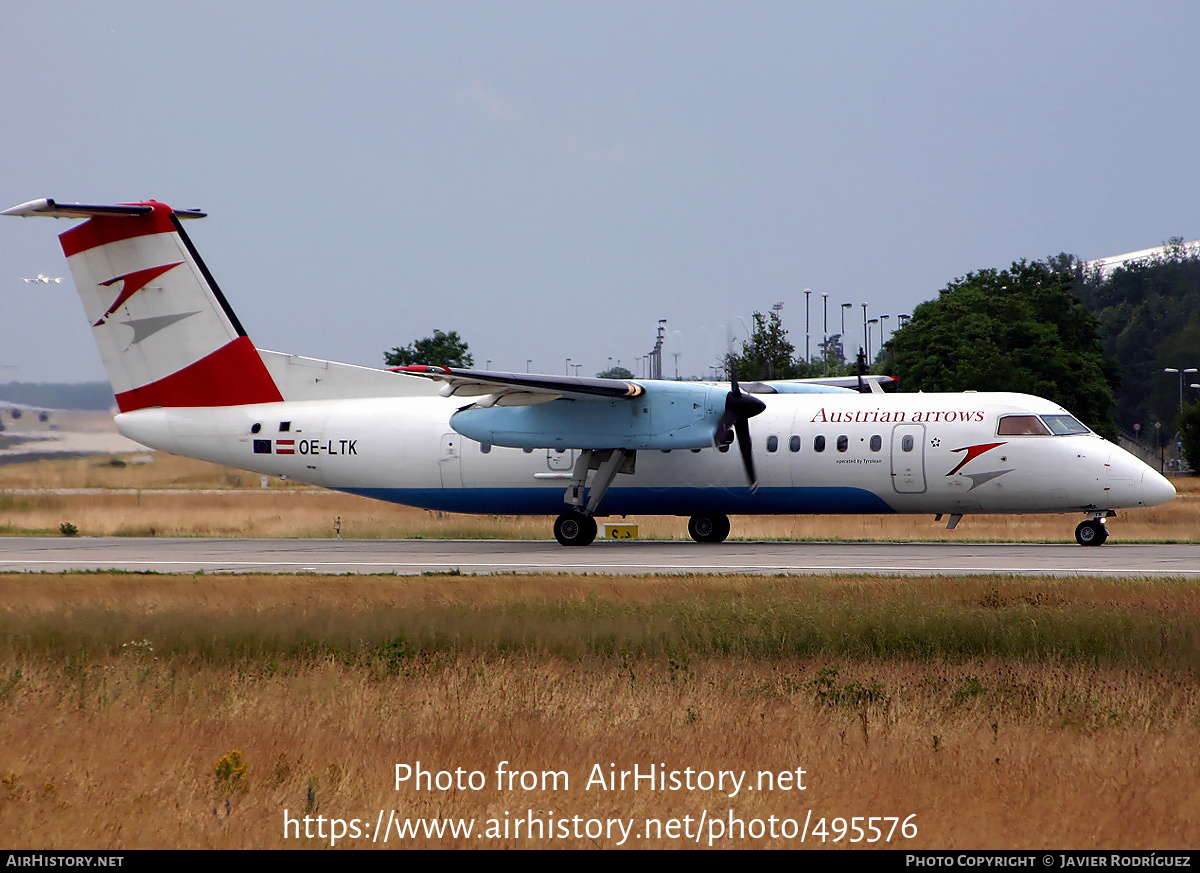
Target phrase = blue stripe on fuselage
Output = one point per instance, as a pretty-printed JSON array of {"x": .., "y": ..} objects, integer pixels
[{"x": 640, "y": 501}]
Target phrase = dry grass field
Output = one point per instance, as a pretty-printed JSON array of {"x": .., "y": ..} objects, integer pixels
[
  {"x": 192, "y": 711},
  {"x": 155, "y": 711},
  {"x": 175, "y": 497}
]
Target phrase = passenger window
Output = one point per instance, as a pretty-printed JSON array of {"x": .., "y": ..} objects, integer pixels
[
  {"x": 772, "y": 443},
  {"x": 876, "y": 443},
  {"x": 906, "y": 444},
  {"x": 794, "y": 443},
  {"x": 1021, "y": 425},
  {"x": 819, "y": 444},
  {"x": 843, "y": 443}
]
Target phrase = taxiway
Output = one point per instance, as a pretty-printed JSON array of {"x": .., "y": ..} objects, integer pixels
[{"x": 409, "y": 557}]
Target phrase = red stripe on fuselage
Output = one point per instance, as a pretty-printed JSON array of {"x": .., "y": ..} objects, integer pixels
[
  {"x": 231, "y": 376},
  {"x": 104, "y": 229}
]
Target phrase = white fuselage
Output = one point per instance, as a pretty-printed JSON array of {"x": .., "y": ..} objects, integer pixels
[{"x": 823, "y": 453}]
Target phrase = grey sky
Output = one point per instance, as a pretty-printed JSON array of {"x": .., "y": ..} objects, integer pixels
[{"x": 550, "y": 179}]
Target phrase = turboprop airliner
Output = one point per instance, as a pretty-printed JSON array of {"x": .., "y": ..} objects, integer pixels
[{"x": 188, "y": 380}]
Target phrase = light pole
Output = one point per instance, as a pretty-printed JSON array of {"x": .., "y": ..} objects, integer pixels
[
  {"x": 844, "y": 307},
  {"x": 882, "y": 324},
  {"x": 1180, "y": 372},
  {"x": 825, "y": 342},
  {"x": 567, "y": 368},
  {"x": 807, "y": 353},
  {"x": 870, "y": 360},
  {"x": 528, "y": 361},
  {"x": 867, "y": 339}
]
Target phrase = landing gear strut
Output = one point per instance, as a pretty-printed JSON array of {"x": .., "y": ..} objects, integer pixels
[
  {"x": 578, "y": 526},
  {"x": 574, "y": 529},
  {"x": 708, "y": 528},
  {"x": 1092, "y": 532}
]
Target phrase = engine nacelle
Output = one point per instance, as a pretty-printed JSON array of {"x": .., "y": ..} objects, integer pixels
[{"x": 666, "y": 416}]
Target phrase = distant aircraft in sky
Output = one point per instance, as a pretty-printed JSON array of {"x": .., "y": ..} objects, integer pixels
[
  {"x": 42, "y": 279},
  {"x": 188, "y": 380}
]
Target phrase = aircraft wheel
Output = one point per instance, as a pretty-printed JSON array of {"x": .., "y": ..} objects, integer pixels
[
  {"x": 575, "y": 529},
  {"x": 708, "y": 528},
  {"x": 1091, "y": 533}
]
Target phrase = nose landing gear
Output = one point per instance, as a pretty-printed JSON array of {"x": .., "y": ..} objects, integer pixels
[{"x": 1092, "y": 532}]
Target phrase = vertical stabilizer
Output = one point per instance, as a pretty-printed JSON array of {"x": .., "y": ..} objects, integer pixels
[{"x": 166, "y": 333}]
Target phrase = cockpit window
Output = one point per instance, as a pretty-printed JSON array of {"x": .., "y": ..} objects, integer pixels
[
  {"x": 1018, "y": 425},
  {"x": 1062, "y": 425}
]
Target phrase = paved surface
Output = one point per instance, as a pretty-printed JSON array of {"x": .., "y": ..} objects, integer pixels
[
  {"x": 507, "y": 556},
  {"x": 17, "y": 447}
]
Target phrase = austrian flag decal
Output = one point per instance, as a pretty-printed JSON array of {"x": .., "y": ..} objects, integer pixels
[{"x": 285, "y": 447}]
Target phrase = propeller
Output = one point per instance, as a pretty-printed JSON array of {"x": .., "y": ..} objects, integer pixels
[{"x": 740, "y": 407}]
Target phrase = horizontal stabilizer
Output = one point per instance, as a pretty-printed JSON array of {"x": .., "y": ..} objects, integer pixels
[{"x": 48, "y": 207}]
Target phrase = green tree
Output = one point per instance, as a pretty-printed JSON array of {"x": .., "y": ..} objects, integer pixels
[
  {"x": 1149, "y": 315},
  {"x": 615, "y": 373},
  {"x": 767, "y": 353},
  {"x": 445, "y": 349},
  {"x": 1020, "y": 329}
]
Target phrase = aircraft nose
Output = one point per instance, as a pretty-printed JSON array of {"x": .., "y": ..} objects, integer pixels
[{"x": 1155, "y": 489}]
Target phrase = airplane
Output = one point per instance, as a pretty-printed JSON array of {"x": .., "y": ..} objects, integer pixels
[
  {"x": 21, "y": 414},
  {"x": 42, "y": 279},
  {"x": 188, "y": 380}
]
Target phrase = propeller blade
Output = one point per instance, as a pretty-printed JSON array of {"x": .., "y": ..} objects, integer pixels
[{"x": 742, "y": 429}]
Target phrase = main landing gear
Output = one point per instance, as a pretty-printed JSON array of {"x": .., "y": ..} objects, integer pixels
[
  {"x": 1092, "y": 532},
  {"x": 708, "y": 528},
  {"x": 575, "y": 529}
]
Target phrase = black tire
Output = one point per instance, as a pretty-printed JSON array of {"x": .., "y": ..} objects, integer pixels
[
  {"x": 575, "y": 529},
  {"x": 708, "y": 528},
  {"x": 1091, "y": 533}
]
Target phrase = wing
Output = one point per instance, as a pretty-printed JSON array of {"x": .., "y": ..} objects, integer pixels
[
  {"x": 518, "y": 389},
  {"x": 576, "y": 413},
  {"x": 819, "y": 385},
  {"x": 561, "y": 412}
]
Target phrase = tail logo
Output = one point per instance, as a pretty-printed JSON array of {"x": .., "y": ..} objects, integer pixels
[
  {"x": 973, "y": 452},
  {"x": 134, "y": 282}
]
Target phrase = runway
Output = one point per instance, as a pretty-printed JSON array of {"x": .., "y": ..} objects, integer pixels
[{"x": 412, "y": 557}]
